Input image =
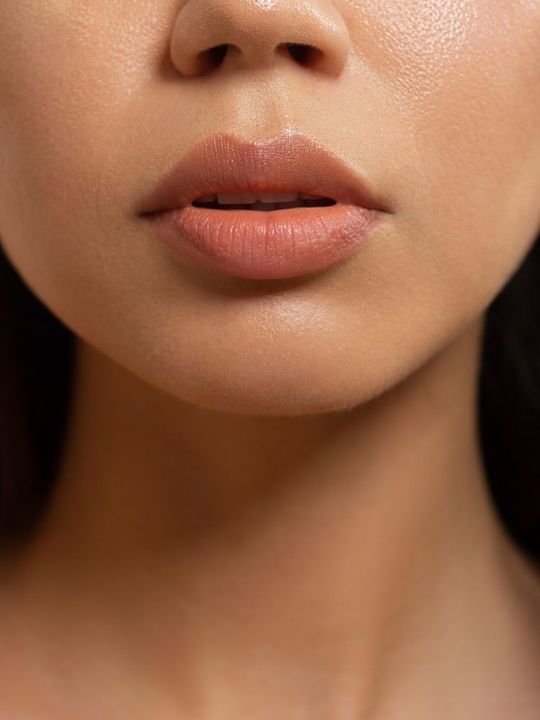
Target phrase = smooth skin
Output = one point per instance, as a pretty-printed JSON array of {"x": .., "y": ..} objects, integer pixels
[{"x": 271, "y": 501}]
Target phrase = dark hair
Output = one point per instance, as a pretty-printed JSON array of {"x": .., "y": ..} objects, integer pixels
[{"x": 36, "y": 371}]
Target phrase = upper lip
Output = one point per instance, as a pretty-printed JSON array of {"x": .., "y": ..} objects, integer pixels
[{"x": 291, "y": 162}]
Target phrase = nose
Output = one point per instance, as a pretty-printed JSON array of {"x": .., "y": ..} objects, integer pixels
[{"x": 209, "y": 34}]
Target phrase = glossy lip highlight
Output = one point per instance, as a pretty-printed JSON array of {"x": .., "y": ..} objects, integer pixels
[{"x": 259, "y": 244}]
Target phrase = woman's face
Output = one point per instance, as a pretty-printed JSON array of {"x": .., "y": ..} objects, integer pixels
[{"x": 435, "y": 102}]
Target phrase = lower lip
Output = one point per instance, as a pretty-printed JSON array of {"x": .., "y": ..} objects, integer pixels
[{"x": 265, "y": 245}]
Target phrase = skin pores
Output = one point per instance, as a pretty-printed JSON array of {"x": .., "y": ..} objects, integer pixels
[
  {"x": 437, "y": 104},
  {"x": 346, "y": 566}
]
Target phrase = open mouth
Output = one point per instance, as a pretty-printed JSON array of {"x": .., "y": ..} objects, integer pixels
[{"x": 261, "y": 201}]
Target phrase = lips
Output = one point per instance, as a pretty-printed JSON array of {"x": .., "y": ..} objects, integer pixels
[{"x": 258, "y": 244}]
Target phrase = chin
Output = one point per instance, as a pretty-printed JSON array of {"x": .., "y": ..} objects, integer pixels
[{"x": 297, "y": 391}]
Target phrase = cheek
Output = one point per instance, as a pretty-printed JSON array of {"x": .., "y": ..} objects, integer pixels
[
  {"x": 67, "y": 72},
  {"x": 471, "y": 145},
  {"x": 482, "y": 145},
  {"x": 462, "y": 160}
]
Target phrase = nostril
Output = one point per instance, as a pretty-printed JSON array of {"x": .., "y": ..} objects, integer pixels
[
  {"x": 218, "y": 53},
  {"x": 304, "y": 54},
  {"x": 212, "y": 58}
]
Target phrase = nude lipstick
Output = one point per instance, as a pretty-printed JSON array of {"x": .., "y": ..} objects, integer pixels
[{"x": 262, "y": 210}]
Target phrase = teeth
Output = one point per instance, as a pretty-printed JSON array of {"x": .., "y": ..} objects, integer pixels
[
  {"x": 287, "y": 205},
  {"x": 264, "y": 206},
  {"x": 265, "y": 201},
  {"x": 250, "y": 198},
  {"x": 236, "y": 198},
  {"x": 277, "y": 197}
]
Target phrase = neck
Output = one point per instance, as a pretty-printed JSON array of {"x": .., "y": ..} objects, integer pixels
[{"x": 324, "y": 553}]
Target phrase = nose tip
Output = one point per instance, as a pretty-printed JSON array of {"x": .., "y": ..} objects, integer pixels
[{"x": 209, "y": 34}]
